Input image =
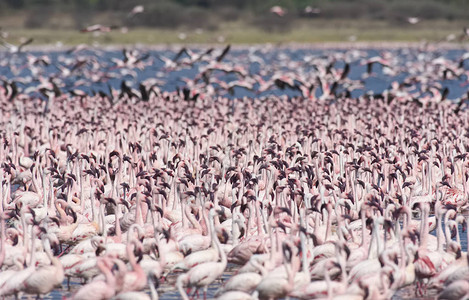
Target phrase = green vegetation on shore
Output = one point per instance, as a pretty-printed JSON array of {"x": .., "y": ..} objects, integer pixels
[
  {"x": 208, "y": 14},
  {"x": 311, "y": 31},
  {"x": 233, "y": 21}
]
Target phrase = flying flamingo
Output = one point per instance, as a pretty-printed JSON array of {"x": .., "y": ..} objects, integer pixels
[{"x": 279, "y": 11}]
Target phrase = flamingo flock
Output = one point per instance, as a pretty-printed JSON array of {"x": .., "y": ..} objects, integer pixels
[{"x": 305, "y": 190}]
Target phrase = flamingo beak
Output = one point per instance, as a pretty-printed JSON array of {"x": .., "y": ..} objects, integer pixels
[
  {"x": 138, "y": 253},
  {"x": 99, "y": 250},
  {"x": 15, "y": 240},
  {"x": 115, "y": 267},
  {"x": 56, "y": 248}
]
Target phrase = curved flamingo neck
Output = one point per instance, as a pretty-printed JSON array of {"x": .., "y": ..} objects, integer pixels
[
  {"x": 81, "y": 167},
  {"x": 304, "y": 259},
  {"x": 133, "y": 261},
  {"x": 130, "y": 254},
  {"x": 374, "y": 238},
  {"x": 191, "y": 218},
  {"x": 110, "y": 279},
  {"x": 179, "y": 284},
  {"x": 221, "y": 253},
  {"x": 32, "y": 261},
  {"x": 328, "y": 224},
  {"x": 430, "y": 190},
  {"x": 339, "y": 221},
  {"x": 34, "y": 182},
  {"x": 260, "y": 230},
  {"x": 439, "y": 230},
  {"x": 2, "y": 240},
  {"x": 138, "y": 213},
  {"x": 424, "y": 228},
  {"x": 447, "y": 229},
  {"x": 101, "y": 221},
  {"x": 118, "y": 225},
  {"x": 55, "y": 262}
]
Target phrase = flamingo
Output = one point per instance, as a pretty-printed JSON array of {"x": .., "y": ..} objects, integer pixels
[
  {"x": 427, "y": 262},
  {"x": 138, "y": 9},
  {"x": 198, "y": 257},
  {"x": 204, "y": 274},
  {"x": 278, "y": 10},
  {"x": 69, "y": 261},
  {"x": 152, "y": 282},
  {"x": 136, "y": 279},
  {"x": 457, "y": 290},
  {"x": 235, "y": 295},
  {"x": 243, "y": 282},
  {"x": 14, "y": 284},
  {"x": 272, "y": 287},
  {"x": 45, "y": 278},
  {"x": 100, "y": 289},
  {"x": 14, "y": 48},
  {"x": 334, "y": 176},
  {"x": 321, "y": 287},
  {"x": 97, "y": 28}
]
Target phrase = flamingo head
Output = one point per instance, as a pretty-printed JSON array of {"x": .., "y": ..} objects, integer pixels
[{"x": 138, "y": 250}]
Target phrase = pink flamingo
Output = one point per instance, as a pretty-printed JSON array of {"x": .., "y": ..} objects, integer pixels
[
  {"x": 427, "y": 263},
  {"x": 99, "y": 289},
  {"x": 456, "y": 290},
  {"x": 15, "y": 283},
  {"x": 272, "y": 287},
  {"x": 136, "y": 279},
  {"x": 45, "y": 278},
  {"x": 204, "y": 274}
]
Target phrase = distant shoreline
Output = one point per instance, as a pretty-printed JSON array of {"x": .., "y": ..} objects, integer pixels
[
  {"x": 314, "y": 34},
  {"x": 318, "y": 45}
]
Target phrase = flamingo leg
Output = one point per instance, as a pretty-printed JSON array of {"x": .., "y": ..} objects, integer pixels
[
  {"x": 419, "y": 291},
  {"x": 194, "y": 293}
]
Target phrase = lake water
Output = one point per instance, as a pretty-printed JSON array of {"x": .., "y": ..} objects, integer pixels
[{"x": 264, "y": 61}]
